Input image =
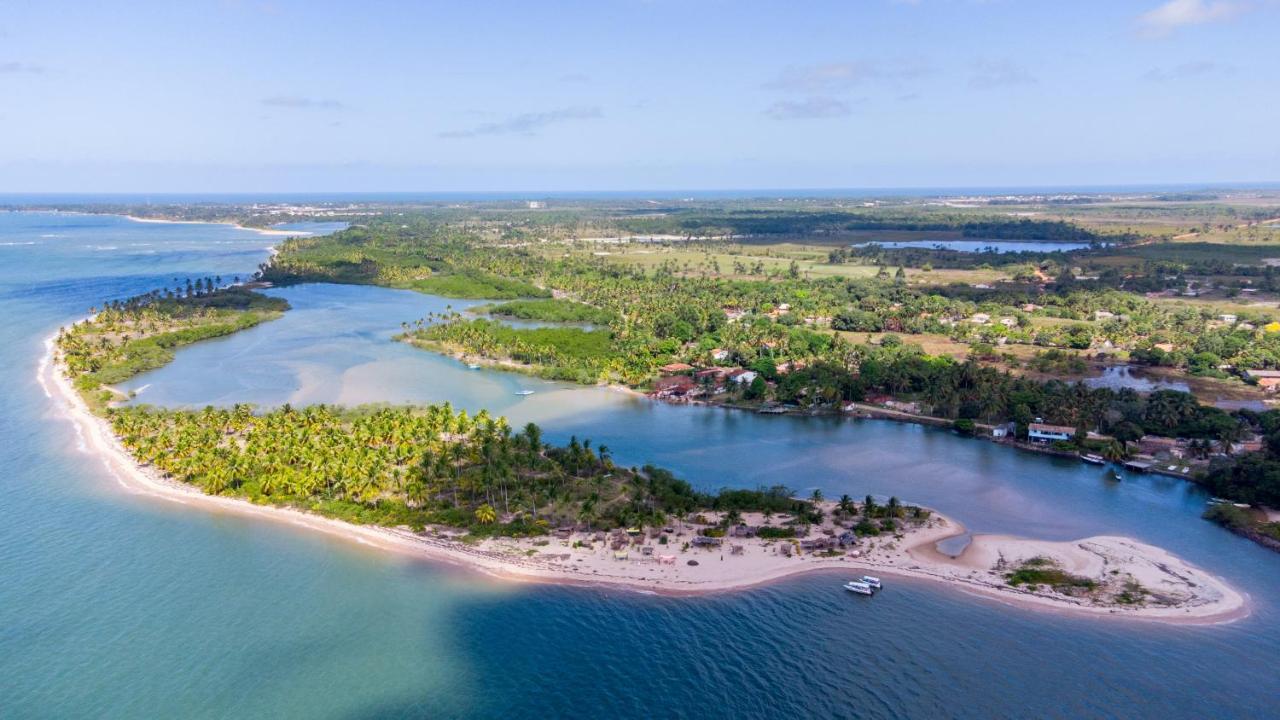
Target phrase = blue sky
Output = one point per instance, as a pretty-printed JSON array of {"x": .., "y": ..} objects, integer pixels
[{"x": 244, "y": 95}]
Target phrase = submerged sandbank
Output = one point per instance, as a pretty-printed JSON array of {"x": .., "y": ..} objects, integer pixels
[{"x": 1177, "y": 591}]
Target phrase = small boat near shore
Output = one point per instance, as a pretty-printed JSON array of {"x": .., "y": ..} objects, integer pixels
[
  {"x": 874, "y": 582},
  {"x": 1093, "y": 459},
  {"x": 860, "y": 588},
  {"x": 473, "y": 366},
  {"x": 1115, "y": 475},
  {"x": 524, "y": 392}
]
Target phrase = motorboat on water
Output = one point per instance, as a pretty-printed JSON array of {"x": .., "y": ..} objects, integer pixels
[
  {"x": 874, "y": 582},
  {"x": 473, "y": 366},
  {"x": 524, "y": 392},
  {"x": 860, "y": 588},
  {"x": 1093, "y": 459}
]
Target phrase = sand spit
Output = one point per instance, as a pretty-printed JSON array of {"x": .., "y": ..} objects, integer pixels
[{"x": 1175, "y": 591}]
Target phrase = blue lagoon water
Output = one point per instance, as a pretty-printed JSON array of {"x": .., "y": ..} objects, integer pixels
[
  {"x": 979, "y": 246},
  {"x": 116, "y": 605}
]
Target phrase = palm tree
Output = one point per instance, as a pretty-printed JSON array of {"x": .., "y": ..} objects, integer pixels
[
  {"x": 486, "y": 515},
  {"x": 845, "y": 504}
]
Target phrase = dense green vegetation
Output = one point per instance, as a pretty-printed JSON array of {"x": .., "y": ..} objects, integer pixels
[
  {"x": 392, "y": 255},
  {"x": 798, "y": 328},
  {"x": 564, "y": 353},
  {"x": 557, "y": 310},
  {"x": 128, "y": 337},
  {"x": 749, "y": 222},
  {"x": 1245, "y": 522},
  {"x": 1255, "y": 478},
  {"x": 417, "y": 466},
  {"x": 668, "y": 313},
  {"x": 476, "y": 285}
]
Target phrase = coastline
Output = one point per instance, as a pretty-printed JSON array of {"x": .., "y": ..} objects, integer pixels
[
  {"x": 287, "y": 233},
  {"x": 550, "y": 560}
]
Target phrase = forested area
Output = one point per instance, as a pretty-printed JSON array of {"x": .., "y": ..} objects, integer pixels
[{"x": 419, "y": 466}]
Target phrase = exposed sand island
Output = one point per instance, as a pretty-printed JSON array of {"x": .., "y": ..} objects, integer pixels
[{"x": 1106, "y": 576}]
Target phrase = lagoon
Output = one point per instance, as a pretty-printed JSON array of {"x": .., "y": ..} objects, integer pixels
[
  {"x": 978, "y": 246},
  {"x": 115, "y": 605}
]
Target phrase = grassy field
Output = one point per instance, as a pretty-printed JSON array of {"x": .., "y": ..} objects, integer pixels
[
  {"x": 775, "y": 258},
  {"x": 931, "y": 343}
]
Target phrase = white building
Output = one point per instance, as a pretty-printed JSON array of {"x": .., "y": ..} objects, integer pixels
[{"x": 1040, "y": 432}]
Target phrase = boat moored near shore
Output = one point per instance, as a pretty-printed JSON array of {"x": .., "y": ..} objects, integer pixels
[{"x": 860, "y": 588}]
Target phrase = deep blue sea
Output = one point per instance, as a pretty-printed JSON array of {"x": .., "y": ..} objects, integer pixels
[{"x": 119, "y": 606}]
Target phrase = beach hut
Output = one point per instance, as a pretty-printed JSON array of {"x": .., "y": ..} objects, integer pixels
[
  {"x": 620, "y": 555},
  {"x": 736, "y": 549}
]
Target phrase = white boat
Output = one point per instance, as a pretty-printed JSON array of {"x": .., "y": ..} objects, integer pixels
[
  {"x": 1093, "y": 459},
  {"x": 858, "y": 587},
  {"x": 472, "y": 366},
  {"x": 524, "y": 392},
  {"x": 872, "y": 581}
]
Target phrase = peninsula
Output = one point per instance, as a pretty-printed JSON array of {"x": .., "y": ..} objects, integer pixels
[{"x": 471, "y": 490}]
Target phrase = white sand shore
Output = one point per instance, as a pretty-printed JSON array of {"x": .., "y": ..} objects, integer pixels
[
  {"x": 290, "y": 233},
  {"x": 1179, "y": 592}
]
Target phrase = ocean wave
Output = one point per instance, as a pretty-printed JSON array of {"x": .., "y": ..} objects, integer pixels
[{"x": 12, "y": 244}]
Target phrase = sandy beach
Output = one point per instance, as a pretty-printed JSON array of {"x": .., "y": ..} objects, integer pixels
[
  {"x": 1178, "y": 591},
  {"x": 261, "y": 231}
]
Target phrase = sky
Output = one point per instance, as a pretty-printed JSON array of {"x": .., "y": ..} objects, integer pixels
[{"x": 298, "y": 96}]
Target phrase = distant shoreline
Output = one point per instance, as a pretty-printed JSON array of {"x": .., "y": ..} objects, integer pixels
[
  {"x": 236, "y": 225},
  {"x": 549, "y": 560}
]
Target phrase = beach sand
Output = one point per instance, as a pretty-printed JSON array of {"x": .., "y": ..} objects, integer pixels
[
  {"x": 1186, "y": 594},
  {"x": 288, "y": 233}
]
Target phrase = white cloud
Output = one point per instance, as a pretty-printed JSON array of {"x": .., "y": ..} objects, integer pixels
[
  {"x": 15, "y": 68},
  {"x": 1187, "y": 70},
  {"x": 526, "y": 123},
  {"x": 302, "y": 103},
  {"x": 1175, "y": 14},
  {"x": 808, "y": 109},
  {"x": 831, "y": 77},
  {"x": 989, "y": 74}
]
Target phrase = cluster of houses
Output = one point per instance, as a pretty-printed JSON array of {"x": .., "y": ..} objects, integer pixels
[
  {"x": 623, "y": 543},
  {"x": 1156, "y": 453},
  {"x": 1268, "y": 380},
  {"x": 684, "y": 381}
]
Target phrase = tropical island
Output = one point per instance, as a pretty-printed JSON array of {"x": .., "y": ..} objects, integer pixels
[{"x": 473, "y": 490}]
